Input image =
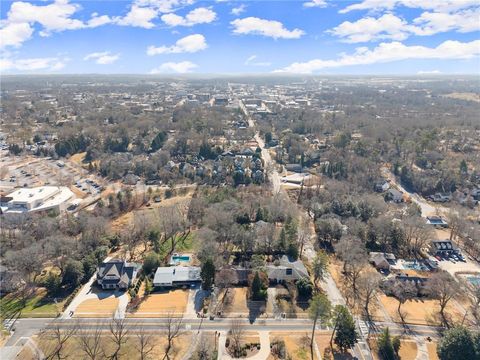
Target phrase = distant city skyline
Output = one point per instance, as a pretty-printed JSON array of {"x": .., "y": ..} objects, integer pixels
[{"x": 401, "y": 37}]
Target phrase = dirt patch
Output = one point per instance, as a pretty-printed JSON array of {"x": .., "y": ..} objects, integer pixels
[
  {"x": 97, "y": 307},
  {"x": 163, "y": 304},
  {"x": 464, "y": 96}
]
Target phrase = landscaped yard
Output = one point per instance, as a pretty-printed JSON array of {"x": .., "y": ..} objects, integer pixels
[
  {"x": 161, "y": 304},
  {"x": 36, "y": 305},
  {"x": 296, "y": 344},
  {"x": 97, "y": 307}
]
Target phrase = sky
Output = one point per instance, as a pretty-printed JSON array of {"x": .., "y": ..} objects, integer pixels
[{"x": 402, "y": 37}]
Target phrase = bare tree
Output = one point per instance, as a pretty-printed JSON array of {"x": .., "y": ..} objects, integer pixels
[
  {"x": 90, "y": 343},
  {"x": 236, "y": 332},
  {"x": 304, "y": 232},
  {"x": 118, "y": 332},
  {"x": 174, "y": 326},
  {"x": 368, "y": 285},
  {"x": 417, "y": 233},
  {"x": 145, "y": 344},
  {"x": 59, "y": 335},
  {"x": 224, "y": 279},
  {"x": 403, "y": 291},
  {"x": 442, "y": 287}
]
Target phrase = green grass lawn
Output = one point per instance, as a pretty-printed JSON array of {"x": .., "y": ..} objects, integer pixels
[{"x": 36, "y": 305}]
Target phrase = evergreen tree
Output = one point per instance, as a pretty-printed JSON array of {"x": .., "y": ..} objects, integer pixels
[
  {"x": 207, "y": 274},
  {"x": 385, "y": 346},
  {"x": 345, "y": 336}
]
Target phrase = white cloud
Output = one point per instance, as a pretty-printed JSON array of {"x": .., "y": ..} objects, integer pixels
[
  {"x": 33, "y": 64},
  {"x": 429, "y": 23},
  {"x": 387, "y": 26},
  {"x": 139, "y": 17},
  {"x": 15, "y": 34},
  {"x": 188, "y": 44},
  {"x": 270, "y": 28},
  {"x": 437, "y": 5},
  {"x": 391, "y": 27},
  {"x": 18, "y": 26},
  {"x": 389, "y": 52},
  {"x": 169, "y": 67},
  {"x": 200, "y": 15},
  {"x": 238, "y": 10},
  {"x": 102, "y": 58},
  {"x": 251, "y": 62},
  {"x": 315, "y": 3}
]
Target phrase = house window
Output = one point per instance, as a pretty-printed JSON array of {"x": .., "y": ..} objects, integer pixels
[{"x": 289, "y": 271}]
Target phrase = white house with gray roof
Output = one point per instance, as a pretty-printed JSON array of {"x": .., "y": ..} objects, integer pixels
[{"x": 173, "y": 276}]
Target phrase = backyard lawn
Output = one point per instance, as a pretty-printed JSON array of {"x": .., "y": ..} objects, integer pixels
[{"x": 36, "y": 305}]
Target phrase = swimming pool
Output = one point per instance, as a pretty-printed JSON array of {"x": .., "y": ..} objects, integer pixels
[
  {"x": 182, "y": 258},
  {"x": 474, "y": 280}
]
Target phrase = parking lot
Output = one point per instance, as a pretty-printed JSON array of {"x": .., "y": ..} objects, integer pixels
[{"x": 25, "y": 171}]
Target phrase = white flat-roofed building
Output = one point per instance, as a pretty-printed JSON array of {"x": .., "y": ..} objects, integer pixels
[
  {"x": 174, "y": 276},
  {"x": 42, "y": 198}
]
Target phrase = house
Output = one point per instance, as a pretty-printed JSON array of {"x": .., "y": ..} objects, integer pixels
[
  {"x": 381, "y": 261},
  {"x": 294, "y": 167},
  {"x": 116, "y": 274},
  {"x": 441, "y": 197},
  {"x": 395, "y": 195},
  {"x": 174, "y": 276},
  {"x": 436, "y": 221},
  {"x": 443, "y": 247},
  {"x": 419, "y": 282},
  {"x": 286, "y": 270},
  {"x": 382, "y": 186}
]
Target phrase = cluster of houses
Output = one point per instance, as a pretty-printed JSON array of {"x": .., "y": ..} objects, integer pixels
[{"x": 118, "y": 274}]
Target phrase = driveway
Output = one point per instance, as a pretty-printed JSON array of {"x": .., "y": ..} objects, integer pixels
[{"x": 86, "y": 293}]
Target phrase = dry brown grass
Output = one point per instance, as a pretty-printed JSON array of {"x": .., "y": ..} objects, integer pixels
[
  {"x": 239, "y": 301},
  {"x": 421, "y": 312},
  {"x": 408, "y": 350},
  {"x": 129, "y": 350},
  {"x": 323, "y": 343},
  {"x": 432, "y": 351},
  {"x": 97, "y": 307},
  {"x": 163, "y": 304}
]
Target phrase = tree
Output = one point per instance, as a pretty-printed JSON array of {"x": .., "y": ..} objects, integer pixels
[
  {"x": 320, "y": 267},
  {"x": 319, "y": 309},
  {"x": 225, "y": 278},
  {"x": 368, "y": 285},
  {"x": 90, "y": 342},
  {"x": 73, "y": 273},
  {"x": 345, "y": 334},
  {"x": 442, "y": 287},
  {"x": 457, "y": 343},
  {"x": 207, "y": 274},
  {"x": 53, "y": 284},
  {"x": 158, "y": 141},
  {"x": 236, "y": 332},
  {"x": 151, "y": 263},
  {"x": 145, "y": 344},
  {"x": 305, "y": 288},
  {"x": 403, "y": 291},
  {"x": 173, "y": 331},
  {"x": 385, "y": 346},
  {"x": 60, "y": 336},
  {"x": 118, "y": 332},
  {"x": 258, "y": 288}
]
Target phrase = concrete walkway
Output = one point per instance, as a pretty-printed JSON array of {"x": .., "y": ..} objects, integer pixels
[
  {"x": 261, "y": 355},
  {"x": 422, "y": 350}
]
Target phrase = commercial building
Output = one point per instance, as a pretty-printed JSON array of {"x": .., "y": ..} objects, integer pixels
[{"x": 42, "y": 198}]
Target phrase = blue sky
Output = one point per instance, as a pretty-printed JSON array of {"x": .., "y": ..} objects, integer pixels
[{"x": 182, "y": 36}]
